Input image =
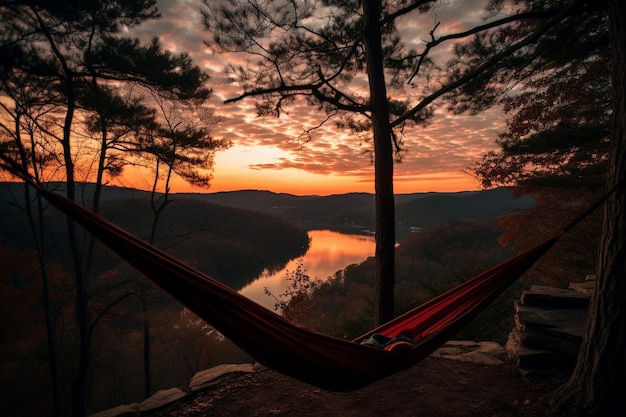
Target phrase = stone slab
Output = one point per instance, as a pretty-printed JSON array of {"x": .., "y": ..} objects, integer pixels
[
  {"x": 482, "y": 353},
  {"x": 562, "y": 321},
  {"x": 209, "y": 377},
  {"x": 162, "y": 398},
  {"x": 120, "y": 410},
  {"x": 586, "y": 287},
  {"x": 542, "y": 296},
  {"x": 527, "y": 358}
]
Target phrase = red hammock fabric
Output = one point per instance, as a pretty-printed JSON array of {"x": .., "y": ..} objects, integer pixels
[{"x": 327, "y": 362}]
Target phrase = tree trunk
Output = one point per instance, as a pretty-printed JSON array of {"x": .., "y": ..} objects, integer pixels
[
  {"x": 383, "y": 164},
  {"x": 596, "y": 385},
  {"x": 147, "y": 357},
  {"x": 97, "y": 193},
  {"x": 37, "y": 231},
  {"x": 45, "y": 292},
  {"x": 81, "y": 380},
  {"x": 157, "y": 209},
  {"x": 36, "y": 225}
]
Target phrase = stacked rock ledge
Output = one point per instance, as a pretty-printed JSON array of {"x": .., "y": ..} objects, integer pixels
[{"x": 550, "y": 324}]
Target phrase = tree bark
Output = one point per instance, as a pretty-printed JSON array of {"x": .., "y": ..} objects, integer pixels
[
  {"x": 383, "y": 164},
  {"x": 596, "y": 385},
  {"x": 147, "y": 357}
]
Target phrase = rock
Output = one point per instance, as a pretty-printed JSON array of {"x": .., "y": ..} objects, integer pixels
[
  {"x": 162, "y": 398},
  {"x": 120, "y": 410},
  {"x": 559, "y": 329},
  {"x": 586, "y": 287},
  {"x": 258, "y": 367},
  {"x": 550, "y": 324},
  {"x": 541, "y": 296},
  {"x": 482, "y": 353},
  {"x": 529, "y": 358},
  {"x": 209, "y": 377}
]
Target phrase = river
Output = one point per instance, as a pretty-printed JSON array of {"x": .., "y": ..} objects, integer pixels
[{"x": 328, "y": 253}]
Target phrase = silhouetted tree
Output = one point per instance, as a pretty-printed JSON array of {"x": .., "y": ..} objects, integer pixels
[
  {"x": 77, "y": 50},
  {"x": 19, "y": 120},
  {"x": 179, "y": 143},
  {"x": 555, "y": 146},
  {"x": 592, "y": 390},
  {"x": 318, "y": 49},
  {"x": 564, "y": 132}
]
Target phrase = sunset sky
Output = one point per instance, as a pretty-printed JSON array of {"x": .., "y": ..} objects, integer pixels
[{"x": 268, "y": 153}]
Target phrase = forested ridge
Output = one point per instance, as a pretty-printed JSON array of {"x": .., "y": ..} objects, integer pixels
[
  {"x": 428, "y": 263},
  {"x": 230, "y": 244},
  {"x": 354, "y": 212}
]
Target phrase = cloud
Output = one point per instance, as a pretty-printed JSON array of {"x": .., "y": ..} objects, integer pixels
[{"x": 437, "y": 153}]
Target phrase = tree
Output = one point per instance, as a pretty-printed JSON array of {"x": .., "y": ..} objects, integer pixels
[
  {"x": 20, "y": 134},
  {"x": 69, "y": 33},
  {"x": 588, "y": 162},
  {"x": 318, "y": 49},
  {"x": 23, "y": 335},
  {"x": 556, "y": 143},
  {"x": 76, "y": 50},
  {"x": 295, "y": 303},
  {"x": 115, "y": 122},
  {"x": 325, "y": 60},
  {"x": 592, "y": 390},
  {"x": 180, "y": 142}
]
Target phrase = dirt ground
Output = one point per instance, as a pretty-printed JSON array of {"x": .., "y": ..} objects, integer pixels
[{"x": 435, "y": 387}]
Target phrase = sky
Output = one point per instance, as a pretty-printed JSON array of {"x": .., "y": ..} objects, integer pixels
[{"x": 268, "y": 153}]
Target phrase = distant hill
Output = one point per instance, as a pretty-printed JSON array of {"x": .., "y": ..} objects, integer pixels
[
  {"x": 231, "y": 244},
  {"x": 441, "y": 208},
  {"x": 350, "y": 212},
  {"x": 354, "y": 212}
]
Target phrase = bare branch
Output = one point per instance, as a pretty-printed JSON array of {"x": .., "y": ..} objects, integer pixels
[
  {"x": 273, "y": 90},
  {"x": 509, "y": 19},
  {"x": 490, "y": 63},
  {"x": 307, "y": 132},
  {"x": 411, "y": 7}
]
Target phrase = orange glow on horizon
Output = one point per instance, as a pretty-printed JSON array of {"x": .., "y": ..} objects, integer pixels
[
  {"x": 311, "y": 184},
  {"x": 292, "y": 181},
  {"x": 274, "y": 154},
  {"x": 267, "y": 168}
]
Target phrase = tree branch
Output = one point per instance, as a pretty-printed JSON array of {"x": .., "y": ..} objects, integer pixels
[
  {"x": 493, "y": 61},
  {"x": 273, "y": 90},
  {"x": 473, "y": 31},
  {"x": 393, "y": 16}
]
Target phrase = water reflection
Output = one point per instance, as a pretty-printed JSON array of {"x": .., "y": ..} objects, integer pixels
[{"x": 328, "y": 253}]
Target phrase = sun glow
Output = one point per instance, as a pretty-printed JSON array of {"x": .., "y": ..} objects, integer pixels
[{"x": 267, "y": 168}]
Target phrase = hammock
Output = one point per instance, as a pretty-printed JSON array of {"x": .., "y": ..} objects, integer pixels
[{"x": 327, "y": 362}]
